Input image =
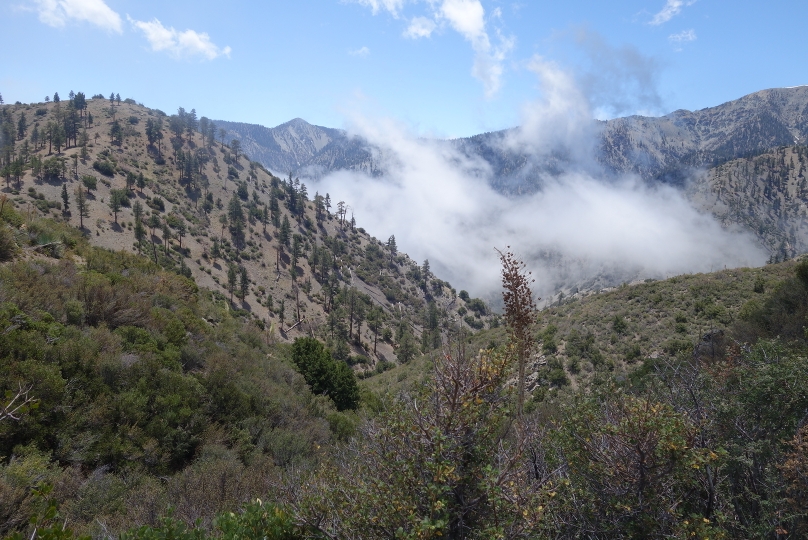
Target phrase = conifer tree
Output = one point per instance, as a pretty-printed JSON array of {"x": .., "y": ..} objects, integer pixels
[
  {"x": 244, "y": 283},
  {"x": 232, "y": 277},
  {"x": 81, "y": 206},
  {"x": 116, "y": 198},
  {"x": 215, "y": 250},
  {"x": 285, "y": 231},
  {"x": 65, "y": 201},
  {"x": 166, "y": 236},
  {"x": 391, "y": 245},
  {"x": 22, "y": 126}
]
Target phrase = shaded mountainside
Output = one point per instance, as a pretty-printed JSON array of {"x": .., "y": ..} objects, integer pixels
[{"x": 766, "y": 194}]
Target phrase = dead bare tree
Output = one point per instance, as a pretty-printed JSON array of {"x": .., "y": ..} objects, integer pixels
[{"x": 19, "y": 403}]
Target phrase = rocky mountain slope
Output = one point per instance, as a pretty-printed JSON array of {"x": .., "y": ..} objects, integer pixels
[
  {"x": 656, "y": 148},
  {"x": 210, "y": 213},
  {"x": 299, "y": 147}
]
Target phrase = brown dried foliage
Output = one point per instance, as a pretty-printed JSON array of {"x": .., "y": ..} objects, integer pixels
[{"x": 520, "y": 310}]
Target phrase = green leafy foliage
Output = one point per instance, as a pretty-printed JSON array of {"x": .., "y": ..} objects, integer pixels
[{"x": 324, "y": 374}]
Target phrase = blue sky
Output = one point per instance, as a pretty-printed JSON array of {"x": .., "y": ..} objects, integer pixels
[{"x": 443, "y": 67}]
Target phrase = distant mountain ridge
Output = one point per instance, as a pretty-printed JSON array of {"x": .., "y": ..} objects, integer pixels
[
  {"x": 656, "y": 148},
  {"x": 297, "y": 145}
]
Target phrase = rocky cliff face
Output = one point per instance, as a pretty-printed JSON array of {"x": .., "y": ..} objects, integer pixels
[
  {"x": 665, "y": 148},
  {"x": 300, "y": 147}
]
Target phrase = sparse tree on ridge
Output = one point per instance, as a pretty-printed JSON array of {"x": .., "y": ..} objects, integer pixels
[
  {"x": 235, "y": 147},
  {"x": 391, "y": 246}
]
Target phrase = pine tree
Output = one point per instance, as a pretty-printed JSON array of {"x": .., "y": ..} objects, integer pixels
[
  {"x": 81, "y": 206},
  {"x": 232, "y": 276},
  {"x": 285, "y": 231},
  {"x": 65, "y": 201},
  {"x": 244, "y": 283},
  {"x": 215, "y": 250},
  {"x": 391, "y": 245},
  {"x": 166, "y": 236},
  {"x": 22, "y": 126},
  {"x": 116, "y": 198}
]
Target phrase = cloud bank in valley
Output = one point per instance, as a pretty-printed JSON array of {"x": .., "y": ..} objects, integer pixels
[{"x": 579, "y": 229}]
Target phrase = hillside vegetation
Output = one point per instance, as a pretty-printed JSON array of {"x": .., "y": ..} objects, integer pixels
[
  {"x": 168, "y": 187},
  {"x": 147, "y": 396}
]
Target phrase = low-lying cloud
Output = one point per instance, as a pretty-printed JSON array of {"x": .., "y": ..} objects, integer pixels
[{"x": 581, "y": 228}]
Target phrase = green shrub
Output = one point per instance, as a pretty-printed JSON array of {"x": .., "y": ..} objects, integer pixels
[
  {"x": 8, "y": 246},
  {"x": 104, "y": 167}
]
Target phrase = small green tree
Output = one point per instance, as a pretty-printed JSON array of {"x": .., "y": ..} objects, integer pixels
[
  {"x": 81, "y": 205},
  {"x": 65, "y": 201},
  {"x": 116, "y": 199},
  {"x": 90, "y": 182},
  {"x": 232, "y": 278},
  {"x": 244, "y": 283}
]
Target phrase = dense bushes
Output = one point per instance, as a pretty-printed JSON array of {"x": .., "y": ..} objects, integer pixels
[{"x": 324, "y": 374}]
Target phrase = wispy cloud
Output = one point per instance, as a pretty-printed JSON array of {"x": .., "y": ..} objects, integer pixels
[
  {"x": 179, "y": 44},
  {"x": 671, "y": 9},
  {"x": 393, "y": 6},
  {"x": 57, "y": 13},
  {"x": 466, "y": 17},
  {"x": 361, "y": 52},
  {"x": 678, "y": 40},
  {"x": 619, "y": 79},
  {"x": 420, "y": 27}
]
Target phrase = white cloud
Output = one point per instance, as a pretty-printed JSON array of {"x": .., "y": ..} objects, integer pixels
[
  {"x": 686, "y": 36},
  {"x": 58, "y": 12},
  {"x": 361, "y": 52},
  {"x": 393, "y": 6},
  {"x": 185, "y": 44},
  {"x": 466, "y": 17},
  {"x": 439, "y": 204},
  {"x": 579, "y": 228},
  {"x": 420, "y": 27},
  {"x": 671, "y": 9}
]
